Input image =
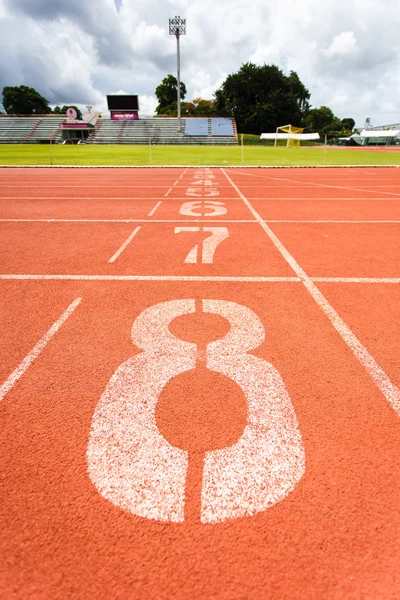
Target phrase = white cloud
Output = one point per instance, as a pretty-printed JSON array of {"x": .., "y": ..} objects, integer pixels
[
  {"x": 344, "y": 43},
  {"x": 76, "y": 52},
  {"x": 147, "y": 105}
]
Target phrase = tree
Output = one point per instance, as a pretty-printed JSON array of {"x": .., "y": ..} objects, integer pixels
[
  {"x": 199, "y": 107},
  {"x": 24, "y": 100},
  {"x": 167, "y": 93},
  {"x": 261, "y": 98},
  {"x": 348, "y": 126},
  {"x": 323, "y": 121},
  {"x": 320, "y": 119},
  {"x": 63, "y": 109}
]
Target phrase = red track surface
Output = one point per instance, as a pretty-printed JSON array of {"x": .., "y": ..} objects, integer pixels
[{"x": 314, "y": 255}]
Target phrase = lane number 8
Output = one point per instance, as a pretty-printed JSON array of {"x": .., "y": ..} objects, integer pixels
[{"x": 133, "y": 466}]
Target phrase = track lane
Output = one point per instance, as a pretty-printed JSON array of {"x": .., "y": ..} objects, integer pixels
[
  {"x": 337, "y": 531},
  {"x": 325, "y": 535}
]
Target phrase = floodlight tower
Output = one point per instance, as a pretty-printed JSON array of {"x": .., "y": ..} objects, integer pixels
[{"x": 177, "y": 27}]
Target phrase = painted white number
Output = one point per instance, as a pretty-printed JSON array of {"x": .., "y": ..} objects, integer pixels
[
  {"x": 199, "y": 192},
  {"x": 133, "y": 466},
  {"x": 207, "y": 181},
  {"x": 216, "y": 208},
  {"x": 218, "y": 235}
]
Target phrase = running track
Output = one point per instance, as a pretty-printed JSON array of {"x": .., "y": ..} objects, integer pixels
[{"x": 199, "y": 383}]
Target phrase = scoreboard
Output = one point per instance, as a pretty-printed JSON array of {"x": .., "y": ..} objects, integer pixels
[{"x": 123, "y": 107}]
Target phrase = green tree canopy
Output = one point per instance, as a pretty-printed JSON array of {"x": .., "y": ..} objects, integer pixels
[
  {"x": 23, "y": 100},
  {"x": 348, "y": 125},
  {"x": 61, "y": 110},
  {"x": 167, "y": 93},
  {"x": 323, "y": 121},
  {"x": 320, "y": 119},
  {"x": 199, "y": 107},
  {"x": 262, "y": 98}
]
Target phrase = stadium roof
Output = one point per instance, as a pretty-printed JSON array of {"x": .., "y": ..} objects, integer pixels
[{"x": 382, "y": 133}]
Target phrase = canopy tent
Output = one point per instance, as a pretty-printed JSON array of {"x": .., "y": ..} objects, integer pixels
[{"x": 381, "y": 133}]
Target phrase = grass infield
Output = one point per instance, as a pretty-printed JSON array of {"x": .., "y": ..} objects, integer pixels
[{"x": 87, "y": 155}]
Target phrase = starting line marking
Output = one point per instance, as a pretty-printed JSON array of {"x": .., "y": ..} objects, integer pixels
[
  {"x": 345, "y": 222},
  {"x": 238, "y": 278},
  {"x": 131, "y": 221},
  {"x": 50, "y": 277},
  {"x": 124, "y": 245},
  {"x": 127, "y": 198},
  {"x": 258, "y": 198},
  {"x": 37, "y": 349},
  {"x": 356, "y": 279},
  {"x": 153, "y": 210},
  {"x": 382, "y": 381}
]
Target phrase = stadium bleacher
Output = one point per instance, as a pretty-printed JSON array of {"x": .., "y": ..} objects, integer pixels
[
  {"x": 30, "y": 130},
  {"x": 197, "y": 127},
  {"x": 15, "y": 130},
  {"x": 161, "y": 131},
  {"x": 47, "y": 127},
  {"x": 107, "y": 132},
  {"x": 36, "y": 130},
  {"x": 222, "y": 127}
]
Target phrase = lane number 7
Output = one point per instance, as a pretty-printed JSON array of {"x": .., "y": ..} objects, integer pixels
[{"x": 209, "y": 245}]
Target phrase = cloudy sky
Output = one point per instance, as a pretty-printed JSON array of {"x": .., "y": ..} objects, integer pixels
[{"x": 347, "y": 52}]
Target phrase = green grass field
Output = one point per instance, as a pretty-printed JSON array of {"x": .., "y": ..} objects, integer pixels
[{"x": 15, "y": 154}]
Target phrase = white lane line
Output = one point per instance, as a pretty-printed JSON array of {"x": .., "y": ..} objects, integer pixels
[
  {"x": 388, "y": 389},
  {"x": 322, "y": 185},
  {"x": 124, "y": 245},
  {"x": 44, "y": 277},
  {"x": 325, "y": 199},
  {"x": 250, "y": 279},
  {"x": 358, "y": 222},
  {"x": 176, "y": 182},
  {"x": 193, "y": 220},
  {"x": 153, "y": 210},
  {"x": 180, "y": 177},
  {"x": 99, "y": 185},
  {"x": 36, "y": 350},
  {"x": 97, "y": 198},
  {"x": 356, "y": 279}
]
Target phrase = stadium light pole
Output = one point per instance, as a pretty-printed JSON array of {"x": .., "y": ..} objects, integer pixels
[{"x": 177, "y": 27}]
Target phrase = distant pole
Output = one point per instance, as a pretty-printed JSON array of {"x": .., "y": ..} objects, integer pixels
[
  {"x": 150, "y": 158},
  {"x": 178, "y": 78},
  {"x": 51, "y": 147},
  {"x": 177, "y": 27},
  {"x": 290, "y": 131},
  {"x": 242, "y": 151}
]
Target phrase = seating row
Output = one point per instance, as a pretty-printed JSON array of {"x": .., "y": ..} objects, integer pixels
[{"x": 165, "y": 131}]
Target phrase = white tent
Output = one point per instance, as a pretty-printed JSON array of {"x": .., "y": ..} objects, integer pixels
[
  {"x": 290, "y": 136},
  {"x": 380, "y": 133}
]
